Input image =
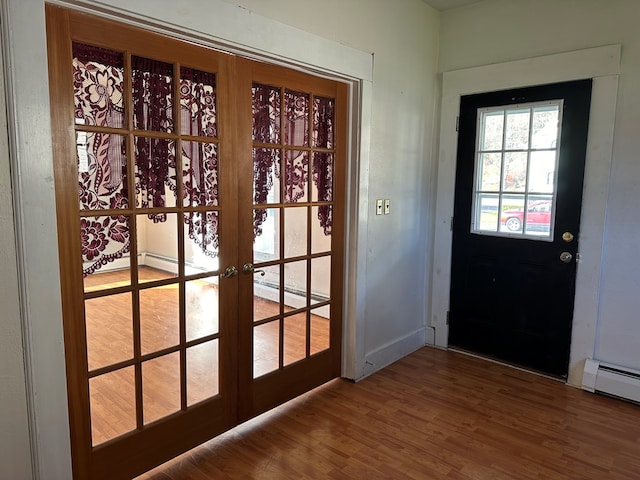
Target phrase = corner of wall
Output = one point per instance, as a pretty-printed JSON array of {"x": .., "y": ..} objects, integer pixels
[{"x": 393, "y": 351}]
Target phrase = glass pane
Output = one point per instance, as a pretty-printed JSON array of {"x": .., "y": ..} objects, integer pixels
[
  {"x": 539, "y": 215},
  {"x": 109, "y": 323},
  {"x": 489, "y": 171},
  {"x": 160, "y": 387},
  {"x": 296, "y": 118},
  {"x": 157, "y": 247},
  {"x": 152, "y": 83},
  {"x": 542, "y": 172},
  {"x": 517, "y": 137},
  {"x": 113, "y": 404},
  {"x": 266, "y": 113},
  {"x": 512, "y": 214},
  {"x": 322, "y": 185},
  {"x": 266, "y": 293},
  {"x": 199, "y": 174},
  {"x": 296, "y": 176},
  {"x": 202, "y": 372},
  {"x": 266, "y": 175},
  {"x": 155, "y": 172},
  {"x": 266, "y": 348},
  {"x": 201, "y": 307},
  {"x": 486, "y": 216},
  {"x": 105, "y": 248},
  {"x": 321, "y": 229},
  {"x": 545, "y": 127},
  {"x": 320, "y": 329},
  {"x": 492, "y": 130},
  {"x": 295, "y": 338},
  {"x": 515, "y": 171},
  {"x": 323, "y": 119},
  {"x": 295, "y": 284},
  {"x": 266, "y": 245},
  {"x": 159, "y": 325},
  {"x": 295, "y": 231},
  {"x": 98, "y": 79},
  {"x": 197, "y": 103},
  {"x": 320, "y": 279},
  {"x": 201, "y": 242},
  {"x": 102, "y": 171}
]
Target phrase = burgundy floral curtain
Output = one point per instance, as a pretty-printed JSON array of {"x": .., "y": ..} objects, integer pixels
[
  {"x": 152, "y": 83},
  {"x": 98, "y": 87},
  {"x": 198, "y": 103},
  {"x": 98, "y": 79},
  {"x": 266, "y": 164},
  {"x": 200, "y": 160},
  {"x": 322, "y": 171},
  {"x": 296, "y": 167}
]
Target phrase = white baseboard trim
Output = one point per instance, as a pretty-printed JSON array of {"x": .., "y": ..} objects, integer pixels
[
  {"x": 393, "y": 351},
  {"x": 118, "y": 264}
]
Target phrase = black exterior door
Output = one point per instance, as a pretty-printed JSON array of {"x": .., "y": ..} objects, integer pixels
[{"x": 518, "y": 196}]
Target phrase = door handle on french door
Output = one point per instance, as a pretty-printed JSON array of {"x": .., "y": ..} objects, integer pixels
[
  {"x": 248, "y": 268},
  {"x": 231, "y": 271}
]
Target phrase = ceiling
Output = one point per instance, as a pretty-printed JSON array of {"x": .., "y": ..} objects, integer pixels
[{"x": 449, "y": 4}]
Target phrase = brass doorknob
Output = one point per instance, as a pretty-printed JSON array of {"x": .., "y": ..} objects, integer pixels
[
  {"x": 248, "y": 268},
  {"x": 231, "y": 271}
]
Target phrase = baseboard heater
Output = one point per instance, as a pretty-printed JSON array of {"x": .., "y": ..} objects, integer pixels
[{"x": 611, "y": 379}]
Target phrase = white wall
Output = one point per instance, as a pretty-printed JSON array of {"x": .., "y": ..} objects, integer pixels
[
  {"x": 397, "y": 115},
  {"x": 15, "y": 460},
  {"x": 503, "y": 30}
]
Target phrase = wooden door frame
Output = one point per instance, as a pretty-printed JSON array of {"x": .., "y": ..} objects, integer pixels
[{"x": 602, "y": 64}]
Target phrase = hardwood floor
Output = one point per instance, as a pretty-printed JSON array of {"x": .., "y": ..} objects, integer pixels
[
  {"x": 432, "y": 415},
  {"x": 110, "y": 340}
]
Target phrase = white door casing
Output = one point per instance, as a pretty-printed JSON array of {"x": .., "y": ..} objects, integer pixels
[{"x": 602, "y": 64}]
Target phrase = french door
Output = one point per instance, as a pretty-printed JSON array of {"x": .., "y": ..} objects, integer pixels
[{"x": 200, "y": 202}]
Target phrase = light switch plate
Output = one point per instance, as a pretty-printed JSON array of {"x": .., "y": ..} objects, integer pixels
[
  {"x": 379, "y": 207},
  {"x": 387, "y": 206}
]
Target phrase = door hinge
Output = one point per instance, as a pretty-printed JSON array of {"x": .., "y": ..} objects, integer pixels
[
  {"x": 448, "y": 317},
  {"x": 457, "y": 124},
  {"x": 451, "y": 225}
]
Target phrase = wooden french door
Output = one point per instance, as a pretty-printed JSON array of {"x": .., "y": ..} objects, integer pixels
[
  {"x": 291, "y": 243},
  {"x": 200, "y": 202}
]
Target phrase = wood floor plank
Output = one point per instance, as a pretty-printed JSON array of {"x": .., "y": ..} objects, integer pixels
[
  {"x": 432, "y": 415},
  {"x": 110, "y": 340}
]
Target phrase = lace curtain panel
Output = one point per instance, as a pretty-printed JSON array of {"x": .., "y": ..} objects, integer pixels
[
  {"x": 99, "y": 79},
  {"x": 266, "y": 161},
  {"x": 98, "y": 76}
]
